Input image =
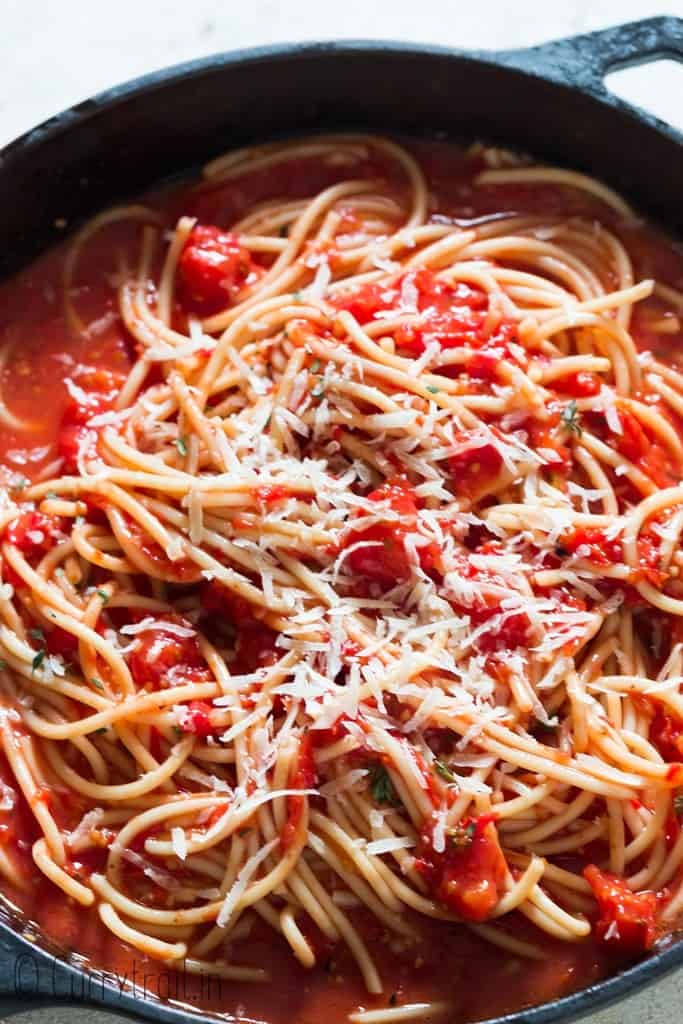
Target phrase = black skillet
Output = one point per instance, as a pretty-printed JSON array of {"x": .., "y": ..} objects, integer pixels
[{"x": 550, "y": 100}]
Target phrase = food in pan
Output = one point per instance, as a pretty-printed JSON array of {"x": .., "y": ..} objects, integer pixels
[{"x": 340, "y": 615}]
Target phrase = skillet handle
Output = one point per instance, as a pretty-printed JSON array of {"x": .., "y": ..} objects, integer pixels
[{"x": 583, "y": 61}]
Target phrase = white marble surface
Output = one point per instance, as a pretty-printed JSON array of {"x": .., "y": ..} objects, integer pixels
[{"x": 56, "y": 52}]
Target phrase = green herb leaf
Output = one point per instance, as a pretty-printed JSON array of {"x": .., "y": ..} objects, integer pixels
[
  {"x": 3, "y": 664},
  {"x": 434, "y": 391},
  {"x": 298, "y": 296},
  {"x": 318, "y": 391},
  {"x": 52, "y": 494},
  {"x": 181, "y": 445},
  {"x": 571, "y": 418},
  {"x": 381, "y": 786},
  {"x": 444, "y": 771},
  {"x": 103, "y": 595},
  {"x": 678, "y": 805},
  {"x": 315, "y": 366},
  {"x": 98, "y": 732},
  {"x": 97, "y": 684},
  {"x": 36, "y": 634},
  {"x": 38, "y": 661}
]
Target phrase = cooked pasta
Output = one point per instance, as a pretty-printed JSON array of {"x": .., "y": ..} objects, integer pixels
[{"x": 346, "y": 602}]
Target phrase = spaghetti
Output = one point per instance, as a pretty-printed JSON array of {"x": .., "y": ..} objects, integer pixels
[{"x": 347, "y": 604}]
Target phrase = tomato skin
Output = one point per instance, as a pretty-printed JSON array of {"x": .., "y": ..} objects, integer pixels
[
  {"x": 579, "y": 385},
  {"x": 213, "y": 268},
  {"x": 162, "y": 659},
  {"x": 627, "y": 919},
  {"x": 467, "y": 878},
  {"x": 35, "y": 533}
]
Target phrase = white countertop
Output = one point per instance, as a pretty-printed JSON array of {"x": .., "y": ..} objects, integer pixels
[{"x": 56, "y": 52}]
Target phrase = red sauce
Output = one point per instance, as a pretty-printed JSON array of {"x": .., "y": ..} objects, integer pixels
[{"x": 56, "y": 378}]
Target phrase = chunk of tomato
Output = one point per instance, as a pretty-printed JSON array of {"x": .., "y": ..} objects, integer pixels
[
  {"x": 163, "y": 657},
  {"x": 213, "y": 269},
  {"x": 91, "y": 391},
  {"x": 196, "y": 719},
  {"x": 378, "y": 552},
  {"x": 34, "y": 533},
  {"x": 627, "y": 920},
  {"x": 469, "y": 875},
  {"x": 475, "y": 469}
]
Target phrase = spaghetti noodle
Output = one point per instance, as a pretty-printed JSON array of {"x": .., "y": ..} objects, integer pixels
[{"x": 350, "y": 601}]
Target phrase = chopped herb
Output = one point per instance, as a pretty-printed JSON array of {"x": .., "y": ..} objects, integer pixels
[
  {"x": 444, "y": 771},
  {"x": 177, "y": 730},
  {"x": 79, "y": 520},
  {"x": 319, "y": 390},
  {"x": 97, "y": 684},
  {"x": 181, "y": 445},
  {"x": 3, "y": 664},
  {"x": 381, "y": 786},
  {"x": 432, "y": 389},
  {"x": 52, "y": 494},
  {"x": 298, "y": 296},
  {"x": 571, "y": 418},
  {"x": 98, "y": 732},
  {"x": 315, "y": 366},
  {"x": 462, "y": 835},
  {"x": 36, "y": 634},
  {"x": 103, "y": 595},
  {"x": 678, "y": 805},
  {"x": 37, "y": 661}
]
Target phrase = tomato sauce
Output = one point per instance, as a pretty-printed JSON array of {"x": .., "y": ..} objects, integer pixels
[{"x": 51, "y": 374}]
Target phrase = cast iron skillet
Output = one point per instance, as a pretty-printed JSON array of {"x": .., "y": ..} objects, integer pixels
[{"x": 549, "y": 99}]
